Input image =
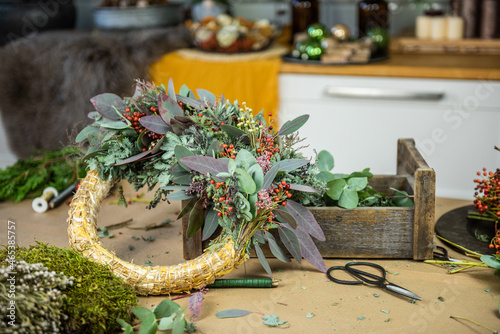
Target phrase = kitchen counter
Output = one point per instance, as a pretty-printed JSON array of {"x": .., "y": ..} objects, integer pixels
[{"x": 465, "y": 67}]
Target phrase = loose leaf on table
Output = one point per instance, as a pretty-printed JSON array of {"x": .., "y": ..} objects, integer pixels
[
  {"x": 166, "y": 308},
  {"x": 232, "y": 313},
  {"x": 325, "y": 161},
  {"x": 196, "y": 218},
  {"x": 305, "y": 219},
  {"x": 275, "y": 249},
  {"x": 205, "y": 95},
  {"x": 107, "y": 105},
  {"x": 273, "y": 320},
  {"x": 262, "y": 259},
  {"x": 293, "y": 125},
  {"x": 291, "y": 242},
  {"x": 194, "y": 304},
  {"x": 211, "y": 224},
  {"x": 204, "y": 164},
  {"x": 156, "y": 124},
  {"x": 308, "y": 248}
]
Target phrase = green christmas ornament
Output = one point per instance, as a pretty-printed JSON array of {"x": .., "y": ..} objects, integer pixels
[
  {"x": 314, "y": 50},
  {"x": 317, "y": 31},
  {"x": 300, "y": 49},
  {"x": 380, "y": 38}
]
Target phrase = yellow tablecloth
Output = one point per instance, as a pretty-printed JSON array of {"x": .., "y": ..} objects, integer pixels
[{"x": 250, "y": 79}]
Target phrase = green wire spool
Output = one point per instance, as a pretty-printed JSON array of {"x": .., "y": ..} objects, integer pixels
[{"x": 244, "y": 283}]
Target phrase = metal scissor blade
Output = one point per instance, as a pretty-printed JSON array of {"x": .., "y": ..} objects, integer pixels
[{"x": 401, "y": 291}]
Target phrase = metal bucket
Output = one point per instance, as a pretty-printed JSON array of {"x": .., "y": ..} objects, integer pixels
[{"x": 125, "y": 18}]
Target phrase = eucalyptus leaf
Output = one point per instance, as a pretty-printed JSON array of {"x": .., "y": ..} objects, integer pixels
[
  {"x": 141, "y": 312},
  {"x": 117, "y": 125},
  {"x": 245, "y": 181},
  {"x": 166, "y": 322},
  {"x": 262, "y": 259},
  {"x": 335, "y": 188},
  {"x": 204, "y": 164},
  {"x": 193, "y": 103},
  {"x": 491, "y": 261},
  {"x": 291, "y": 242},
  {"x": 106, "y": 105},
  {"x": 181, "y": 152},
  {"x": 126, "y": 327},
  {"x": 273, "y": 320},
  {"x": 182, "y": 179},
  {"x": 260, "y": 237},
  {"x": 358, "y": 183},
  {"x": 286, "y": 217},
  {"x": 184, "y": 91},
  {"x": 179, "y": 196},
  {"x": 134, "y": 158},
  {"x": 205, "y": 95},
  {"x": 194, "y": 304},
  {"x": 305, "y": 219},
  {"x": 349, "y": 198},
  {"x": 232, "y": 130},
  {"x": 325, "y": 176},
  {"x": 232, "y": 313},
  {"x": 82, "y": 135},
  {"x": 168, "y": 107},
  {"x": 257, "y": 175},
  {"x": 245, "y": 159},
  {"x": 196, "y": 218},
  {"x": 211, "y": 224},
  {"x": 284, "y": 166},
  {"x": 149, "y": 325},
  {"x": 188, "y": 207},
  {"x": 179, "y": 323},
  {"x": 171, "y": 90},
  {"x": 214, "y": 148},
  {"x": 156, "y": 124},
  {"x": 293, "y": 125},
  {"x": 304, "y": 188},
  {"x": 166, "y": 308},
  {"x": 308, "y": 248},
  {"x": 275, "y": 248},
  {"x": 231, "y": 166},
  {"x": 325, "y": 161}
]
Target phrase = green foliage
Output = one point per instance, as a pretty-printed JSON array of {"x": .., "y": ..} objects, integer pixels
[
  {"x": 164, "y": 316},
  {"x": 96, "y": 298},
  {"x": 27, "y": 178},
  {"x": 273, "y": 320}
]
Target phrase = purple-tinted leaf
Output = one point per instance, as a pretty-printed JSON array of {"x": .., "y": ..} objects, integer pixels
[
  {"x": 275, "y": 249},
  {"x": 158, "y": 145},
  {"x": 204, "y": 164},
  {"x": 259, "y": 236},
  {"x": 283, "y": 165},
  {"x": 196, "y": 218},
  {"x": 232, "y": 130},
  {"x": 138, "y": 91},
  {"x": 193, "y": 103},
  {"x": 168, "y": 107},
  {"x": 301, "y": 187},
  {"x": 143, "y": 140},
  {"x": 188, "y": 207},
  {"x": 211, "y": 224},
  {"x": 291, "y": 242},
  {"x": 106, "y": 103},
  {"x": 305, "y": 219},
  {"x": 179, "y": 196},
  {"x": 262, "y": 259},
  {"x": 286, "y": 217},
  {"x": 233, "y": 313},
  {"x": 171, "y": 89},
  {"x": 293, "y": 125},
  {"x": 194, "y": 304},
  {"x": 93, "y": 115},
  {"x": 308, "y": 248},
  {"x": 214, "y": 148},
  {"x": 205, "y": 95},
  {"x": 155, "y": 124},
  {"x": 134, "y": 158}
]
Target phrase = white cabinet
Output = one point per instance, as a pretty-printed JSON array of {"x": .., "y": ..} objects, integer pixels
[{"x": 455, "y": 123}]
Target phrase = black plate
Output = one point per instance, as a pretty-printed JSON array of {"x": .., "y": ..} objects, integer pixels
[
  {"x": 455, "y": 227},
  {"x": 288, "y": 58}
]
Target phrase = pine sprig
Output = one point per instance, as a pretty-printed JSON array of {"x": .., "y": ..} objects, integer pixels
[{"x": 27, "y": 178}]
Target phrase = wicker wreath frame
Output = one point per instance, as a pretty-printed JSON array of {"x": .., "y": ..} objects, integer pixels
[{"x": 155, "y": 280}]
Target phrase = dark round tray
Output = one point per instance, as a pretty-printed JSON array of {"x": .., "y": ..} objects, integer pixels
[
  {"x": 455, "y": 227},
  {"x": 288, "y": 58}
]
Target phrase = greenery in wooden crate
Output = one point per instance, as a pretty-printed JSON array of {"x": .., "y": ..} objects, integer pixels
[
  {"x": 27, "y": 178},
  {"x": 94, "y": 300}
]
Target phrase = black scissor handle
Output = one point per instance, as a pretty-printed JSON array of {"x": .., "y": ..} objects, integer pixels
[
  {"x": 362, "y": 275},
  {"x": 336, "y": 280}
]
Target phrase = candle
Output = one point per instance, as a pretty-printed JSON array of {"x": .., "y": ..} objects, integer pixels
[
  {"x": 454, "y": 28},
  {"x": 423, "y": 27},
  {"x": 438, "y": 28}
]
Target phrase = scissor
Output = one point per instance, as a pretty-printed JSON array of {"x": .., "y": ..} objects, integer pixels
[{"x": 365, "y": 277}]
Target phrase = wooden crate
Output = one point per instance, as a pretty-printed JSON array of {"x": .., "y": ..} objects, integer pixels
[{"x": 378, "y": 232}]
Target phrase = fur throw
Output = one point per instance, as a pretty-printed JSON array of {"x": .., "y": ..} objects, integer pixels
[{"x": 46, "y": 81}]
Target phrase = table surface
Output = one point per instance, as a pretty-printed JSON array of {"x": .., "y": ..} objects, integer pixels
[
  {"x": 473, "y": 293},
  {"x": 434, "y": 66}
]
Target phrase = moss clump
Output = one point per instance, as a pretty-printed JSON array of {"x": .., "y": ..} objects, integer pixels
[{"x": 95, "y": 300}]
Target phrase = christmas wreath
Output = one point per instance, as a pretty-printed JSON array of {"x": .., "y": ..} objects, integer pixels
[{"x": 231, "y": 166}]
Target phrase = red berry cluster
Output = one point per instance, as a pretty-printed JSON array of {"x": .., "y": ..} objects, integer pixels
[
  {"x": 224, "y": 201},
  {"x": 495, "y": 243},
  {"x": 228, "y": 151},
  {"x": 134, "y": 117},
  {"x": 487, "y": 193},
  {"x": 266, "y": 143}
]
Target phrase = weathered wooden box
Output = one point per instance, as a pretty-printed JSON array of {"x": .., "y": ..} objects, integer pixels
[{"x": 378, "y": 232}]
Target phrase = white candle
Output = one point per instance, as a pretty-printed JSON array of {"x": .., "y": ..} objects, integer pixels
[
  {"x": 454, "y": 28},
  {"x": 438, "y": 28},
  {"x": 423, "y": 27}
]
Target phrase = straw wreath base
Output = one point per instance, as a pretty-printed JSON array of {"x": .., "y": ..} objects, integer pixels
[{"x": 83, "y": 237}]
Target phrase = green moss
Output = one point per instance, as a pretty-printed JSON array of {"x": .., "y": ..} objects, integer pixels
[{"x": 95, "y": 300}]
